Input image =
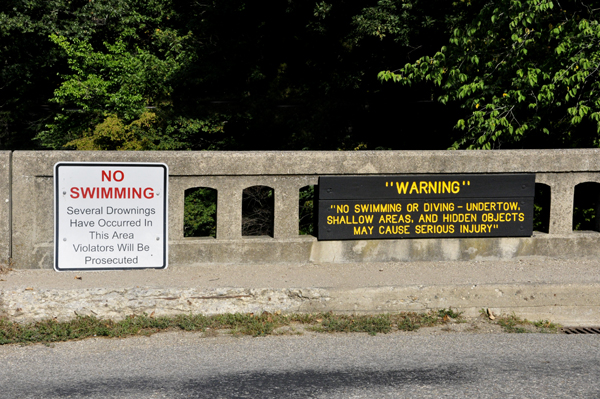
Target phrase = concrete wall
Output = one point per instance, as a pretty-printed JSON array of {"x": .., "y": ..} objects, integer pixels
[
  {"x": 5, "y": 237},
  {"x": 286, "y": 172}
]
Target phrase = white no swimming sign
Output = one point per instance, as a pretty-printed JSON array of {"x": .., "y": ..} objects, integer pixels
[{"x": 110, "y": 216}]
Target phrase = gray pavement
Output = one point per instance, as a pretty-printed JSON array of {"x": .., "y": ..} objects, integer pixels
[{"x": 399, "y": 365}]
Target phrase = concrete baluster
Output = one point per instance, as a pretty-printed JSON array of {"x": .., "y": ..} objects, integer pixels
[
  {"x": 562, "y": 192},
  {"x": 286, "y": 210},
  {"x": 229, "y": 212},
  {"x": 5, "y": 206},
  {"x": 176, "y": 209}
]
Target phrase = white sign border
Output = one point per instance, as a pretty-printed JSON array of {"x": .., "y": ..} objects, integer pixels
[{"x": 112, "y": 164}]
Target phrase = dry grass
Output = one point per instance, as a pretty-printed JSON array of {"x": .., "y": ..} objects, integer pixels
[
  {"x": 256, "y": 325},
  {"x": 5, "y": 268}
]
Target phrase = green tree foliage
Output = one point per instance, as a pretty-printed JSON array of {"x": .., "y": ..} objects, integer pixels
[
  {"x": 416, "y": 24},
  {"x": 132, "y": 74},
  {"x": 33, "y": 66},
  {"x": 112, "y": 88},
  {"x": 200, "y": 213},
  {"x": 220, "y": 75},
  {"x": 525, "y": 73}
]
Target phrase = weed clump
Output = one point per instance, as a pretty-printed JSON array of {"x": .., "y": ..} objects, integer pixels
[
  {"x": 256, "y": 325},
  {"x": 514, "y": 324}
]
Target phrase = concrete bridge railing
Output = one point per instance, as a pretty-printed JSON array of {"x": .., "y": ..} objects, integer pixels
[{"x": 26, "y": 208}]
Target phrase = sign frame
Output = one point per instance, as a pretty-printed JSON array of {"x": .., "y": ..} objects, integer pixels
[{"x": 164, "y": 185}]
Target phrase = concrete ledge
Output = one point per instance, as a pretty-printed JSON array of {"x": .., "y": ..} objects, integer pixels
[
  {"x": 573, "y": 304},
  {"x": 224, "y": 163},
  {"x": 564, "y": 291},
  {"x": 249, "y": 250},
  {"x": 306, "y": 249},
  {"x": 24, "y": 305},
  {"x": 581, "y": 245},
  {"x": 568, "y": 304}
]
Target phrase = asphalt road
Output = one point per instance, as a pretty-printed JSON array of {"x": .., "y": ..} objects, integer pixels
[{"x": 184, "y": 365}]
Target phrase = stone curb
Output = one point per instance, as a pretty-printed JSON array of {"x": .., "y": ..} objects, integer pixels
[{"x": 567, "y": 304}]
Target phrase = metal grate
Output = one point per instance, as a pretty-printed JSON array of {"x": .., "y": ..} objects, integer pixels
[{"x": 580, "y": 330}]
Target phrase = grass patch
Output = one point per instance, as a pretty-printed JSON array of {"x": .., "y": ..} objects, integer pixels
[
  {"x": 546, "y": 326},
  {"x": 383, "y": 323},
  {"x": 514, "y": 324},
  {"x": 82, "y": 327},
  {"x": 343, "y": 323}
]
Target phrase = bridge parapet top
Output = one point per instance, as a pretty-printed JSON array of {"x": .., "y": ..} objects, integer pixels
[{"x": 205, "y": 163}]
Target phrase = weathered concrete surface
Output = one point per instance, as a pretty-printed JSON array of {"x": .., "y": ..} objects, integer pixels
[
  {"x": 576, "y": 304},
  {"x": 306, "y": 250},
  {"x": 117, "y": 303},
  {"x": 287, "y": 172},
  {"x": 564, "y": 291},
  {"x": 5, "y": 165},
  {"x": 223, "y": 163},
  {"x": 251, "y": 250},
  {"x": 577, "y": 245},
  {"x": 562, "y": 188}
]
